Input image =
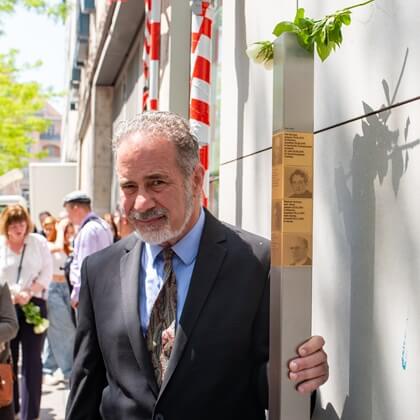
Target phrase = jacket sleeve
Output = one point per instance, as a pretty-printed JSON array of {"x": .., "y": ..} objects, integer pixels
[
  {"x": 88, "y": 378},
  {"x": 261, "y": 338},
  {"x": 261, "y": 329},
  {"x": 8, "y": 321}
]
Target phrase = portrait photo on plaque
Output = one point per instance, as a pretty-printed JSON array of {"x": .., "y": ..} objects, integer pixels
[
  {"x": 297, "y": 249},
  {"x": 298, "y": 182}
]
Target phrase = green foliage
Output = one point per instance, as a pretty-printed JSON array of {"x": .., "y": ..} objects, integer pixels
[
  {"x": 32, "y": 313},
  {"x": 57, "y": 9},
  {"x": 33, "y": 316},
  {"x": 324, "y": 34},
  {"x": 19, "y": 105}
]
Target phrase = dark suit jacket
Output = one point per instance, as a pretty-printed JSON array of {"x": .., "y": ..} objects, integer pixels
[{"x": 217, "y": 370}]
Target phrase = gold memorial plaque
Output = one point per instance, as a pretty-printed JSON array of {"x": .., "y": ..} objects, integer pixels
[
  {"x": 297, "y": 250},
  {"x": 298, "y": 149},
  {"x": 292, "y": 201},
  {"x": 297, "y": 215}
]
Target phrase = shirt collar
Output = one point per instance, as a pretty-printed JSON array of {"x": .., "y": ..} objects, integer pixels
[
  {"x": 187, "y": 247},
  {"x": 90, "y": 214}
]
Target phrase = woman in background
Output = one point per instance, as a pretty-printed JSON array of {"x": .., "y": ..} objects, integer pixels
[
  {"x": 61, "y": 331},
  {"x": 8, "y": 330},
  {"x": 26, "y": 265},
  {"x": 110, "y": 220},
  {"x": 124, "y": 227}
]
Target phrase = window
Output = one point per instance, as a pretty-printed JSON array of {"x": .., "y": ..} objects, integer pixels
[
  {"x": 53, "y": 151},
  {"x": 51, "y": 133}
]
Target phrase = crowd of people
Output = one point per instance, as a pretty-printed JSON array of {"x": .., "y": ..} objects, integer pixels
[{"x": 43, "y": 268}]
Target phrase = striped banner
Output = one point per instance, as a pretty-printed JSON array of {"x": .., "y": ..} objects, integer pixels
[
  {"x": 151, "y": 54},
  {"x": 200, "y": 84}
]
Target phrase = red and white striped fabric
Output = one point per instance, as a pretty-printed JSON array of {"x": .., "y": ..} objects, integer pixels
[
  {"x": 151, "y": 54},
  {"x": 200, "y": 84},
  {"x": 146, "y": 54}
]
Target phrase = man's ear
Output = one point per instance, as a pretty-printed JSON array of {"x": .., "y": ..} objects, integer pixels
[{"x": 198, "y": 177}]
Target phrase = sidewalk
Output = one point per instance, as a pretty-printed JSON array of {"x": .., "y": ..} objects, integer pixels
[{"x": 53, "y": 401}]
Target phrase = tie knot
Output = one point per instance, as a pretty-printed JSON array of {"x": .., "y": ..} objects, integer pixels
[{"x": 167, "y": 254}]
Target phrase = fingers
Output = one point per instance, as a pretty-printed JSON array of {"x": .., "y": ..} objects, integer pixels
[
  {"x": 314, "y": 344},
  {"x": 309, "y": 386},
  {"x": 310, "y": 370},
  {"x": 307, "y": 362},
  {"x": 320, "y": 371}
]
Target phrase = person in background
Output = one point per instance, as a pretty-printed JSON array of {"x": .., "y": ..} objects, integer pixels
[
  {"x": 26, "y": 265},
  {"x": 61, "y": 331},
  {"x": 41, "y": 218},
  {"x": 110, "y": 220},
  {"x": 68, "y": 232},
  {"x": 8, "y": 330},
  {"x": 125, "y": 228},
  {"x": 93, "y": 235}
]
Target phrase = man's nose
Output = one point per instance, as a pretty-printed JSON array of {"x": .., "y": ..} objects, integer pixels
[{"x": 144, "y": 202}]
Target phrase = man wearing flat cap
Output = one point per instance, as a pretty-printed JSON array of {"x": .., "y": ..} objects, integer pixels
[{"x": 93, "y": 235}]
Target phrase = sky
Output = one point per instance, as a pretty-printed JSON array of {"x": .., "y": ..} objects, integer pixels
[{"x": 37, "y": 38}]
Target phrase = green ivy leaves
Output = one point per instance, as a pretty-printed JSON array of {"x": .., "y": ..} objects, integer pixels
[{"x": 324, "y": 34}]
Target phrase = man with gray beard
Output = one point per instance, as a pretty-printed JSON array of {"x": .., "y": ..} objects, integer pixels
[{"x": 173, "y": 319}]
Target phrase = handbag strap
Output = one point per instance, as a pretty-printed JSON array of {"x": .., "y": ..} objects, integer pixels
[{"x": 20, "y": 263}]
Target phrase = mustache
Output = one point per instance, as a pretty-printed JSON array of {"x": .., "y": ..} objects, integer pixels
[{"x": 147, "y": 215}]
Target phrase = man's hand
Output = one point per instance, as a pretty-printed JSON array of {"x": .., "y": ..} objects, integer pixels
[
  {"x": 74, "y": 303},
  {"x": 310, "y": 370}
]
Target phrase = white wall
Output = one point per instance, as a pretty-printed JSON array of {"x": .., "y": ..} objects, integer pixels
[
  {"x": 366, "y": 202},
  {"x": 49, "y": 183}
]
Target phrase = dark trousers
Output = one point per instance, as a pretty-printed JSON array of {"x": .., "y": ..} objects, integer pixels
[
  {"x": 31, "y": 383},
  {"x": 7, "y": 413}
]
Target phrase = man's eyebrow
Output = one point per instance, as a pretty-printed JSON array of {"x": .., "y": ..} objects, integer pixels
[
  {"x": 125, "y": 182},
  {"x": 157, "y": 175}
]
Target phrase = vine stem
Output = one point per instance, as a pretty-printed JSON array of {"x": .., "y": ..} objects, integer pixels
[
  {"x": 359, "y": 5},
  {"x": 346, "y": 8}
]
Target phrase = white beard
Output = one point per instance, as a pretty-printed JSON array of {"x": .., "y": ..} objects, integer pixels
[{"x": 164, "y": 234}]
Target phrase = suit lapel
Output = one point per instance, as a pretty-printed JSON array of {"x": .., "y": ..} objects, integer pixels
[
  {"x": 129, "y": 272},
  {"x": 210, "y": 256}
]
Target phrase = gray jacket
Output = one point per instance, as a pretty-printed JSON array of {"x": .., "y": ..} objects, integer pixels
[{"x": 8, "y": 322}]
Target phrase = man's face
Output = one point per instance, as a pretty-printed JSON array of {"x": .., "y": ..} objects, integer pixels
[
  {"x": 298, "y": 250},
  {"x": 298, "y": 184},
  {"x": 159, "y": 200},
  {"x": 72, "y": 213}
]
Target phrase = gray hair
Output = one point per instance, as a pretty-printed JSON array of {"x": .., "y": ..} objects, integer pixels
[{"x": 163, "y": 124}]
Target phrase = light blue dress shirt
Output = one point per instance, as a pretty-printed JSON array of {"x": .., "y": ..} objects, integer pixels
[{"x": 151, "y": 271}]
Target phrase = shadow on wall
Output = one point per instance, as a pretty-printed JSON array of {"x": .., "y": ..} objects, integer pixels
[{"x": 377, "y": 153}]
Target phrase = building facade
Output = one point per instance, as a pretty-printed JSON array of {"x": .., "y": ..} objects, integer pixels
[{"x": 48, "y": 144}]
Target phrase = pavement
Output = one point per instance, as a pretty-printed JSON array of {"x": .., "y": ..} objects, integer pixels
[{"x": 53, "y": 401}]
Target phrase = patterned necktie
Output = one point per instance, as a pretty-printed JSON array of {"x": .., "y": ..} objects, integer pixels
[{"x": 161, "y": 330}]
